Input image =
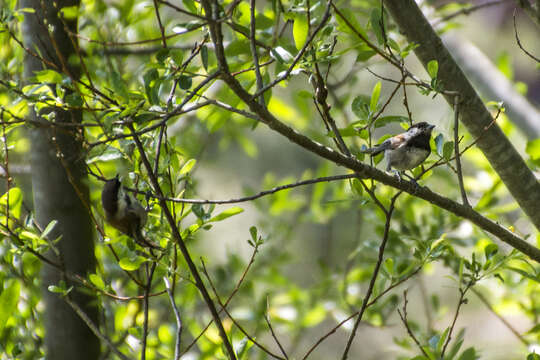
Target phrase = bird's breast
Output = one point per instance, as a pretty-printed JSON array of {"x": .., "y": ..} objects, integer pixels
[{"x": 406, "y": 157}]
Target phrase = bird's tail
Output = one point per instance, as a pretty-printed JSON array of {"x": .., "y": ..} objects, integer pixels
[{"x": 375, "y": 150}]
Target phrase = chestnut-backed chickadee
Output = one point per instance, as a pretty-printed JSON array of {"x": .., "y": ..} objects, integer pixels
[
  {"x": 124, "y": 212},
  {"x": 407, "y": 150}
]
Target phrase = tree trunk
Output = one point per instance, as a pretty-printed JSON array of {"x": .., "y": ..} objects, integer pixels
[{"x": 59, "y": 189}]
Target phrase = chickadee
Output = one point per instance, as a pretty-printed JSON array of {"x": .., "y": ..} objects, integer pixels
[
  {"x": 124, "y": 212},
  {"x": 407, "y": 150}
]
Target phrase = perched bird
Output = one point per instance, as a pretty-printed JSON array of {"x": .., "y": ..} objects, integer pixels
[
  {"x": 124, "y": 212},
  {"x": 407, "y": 150}
]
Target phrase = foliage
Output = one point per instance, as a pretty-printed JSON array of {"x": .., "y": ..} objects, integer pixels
[{"x": 308, "y": 253}]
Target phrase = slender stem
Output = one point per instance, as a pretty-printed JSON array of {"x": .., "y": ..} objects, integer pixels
[
  {"x": 456, "y": 151},
  {"x": 365, "y": 302},
  {"x": 177, "y": 317},
  {"x": 93, "y": 327},
  {"x": 183, "y": 248},
  {"x": 403, "y": 316},
  {"x": 254, "y": 52},
  {"x": 146, "y": 303}
]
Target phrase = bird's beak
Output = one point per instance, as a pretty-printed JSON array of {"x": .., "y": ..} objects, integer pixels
[{"x": 431, "y": 127}]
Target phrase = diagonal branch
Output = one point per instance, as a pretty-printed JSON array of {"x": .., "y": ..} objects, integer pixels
[
  {"x": 499, "y": 151},
  {"x": 362, "y": 169}
]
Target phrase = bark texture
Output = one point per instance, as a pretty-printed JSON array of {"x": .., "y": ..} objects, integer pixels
[{"x": 58, "y": 183}]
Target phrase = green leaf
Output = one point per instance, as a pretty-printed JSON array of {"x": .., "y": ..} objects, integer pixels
[
  {"x": 204, "y": 57},
  {"x": 48, "y": 76},
  {"x": 375, "y": 94},
  {"x": 15, "y": 197},
  {"x": 48, "y": 229},
  {"x": 8, "y": 302},
  {"x": 533, "y": 356},
  {"x": 74, "y": 99},
  {"x": 300, "y": 30},
  {"x": 190, "y": 5},
  {"x": 533, "y": 149},
  {"x": 376, "y": 24},
  {"x": 187, "y": 166},
  {"x": 534, "y": 330},
  {"x": 55, "y": 289},
  {"x": 360, "y": 106},
  {"x": 448, "y": 150},
  {"x": 131, "y": 263},
  {"x": 70, "y": 12},
  {"x": 242, "y": 348},
  {"x": 357, "y": 187},
  {"x": 281, "y": 55},
  {"x": 97, "y": 281},
  {"x": 162, "y": 55},
  {"x": 253, "y": 233},
  {"x": 227, "y": 214},
  {"x": 185, "y": 82},
  {"x": 433, "y": 68},
  {"x": 150, "y": 86},
  {"x": 490, "y": 250},
  {"x": 469, "y": 354}
]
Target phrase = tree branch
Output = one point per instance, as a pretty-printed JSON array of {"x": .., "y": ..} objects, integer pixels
[{"x": 499, "y": 151}]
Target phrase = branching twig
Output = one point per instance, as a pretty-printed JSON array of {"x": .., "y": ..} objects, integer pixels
[
  {"x": 519, "y": 42},
  {"x": 298, "y": 56},
  {"x": 224, "y": 308},
  {"x": 388, "y": 213},
  {"x": 236, "y": 288},
  {"x": 403, "y": 316},
  {"x": 183, "y": 248},
  {"x": 461, "y": 301}
]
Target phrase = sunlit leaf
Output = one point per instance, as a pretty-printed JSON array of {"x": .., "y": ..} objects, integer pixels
[
  {"x": 227, "y": 214},
  {"x": 300, "y": 30}
]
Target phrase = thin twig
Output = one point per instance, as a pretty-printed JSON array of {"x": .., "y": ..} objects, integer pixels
[
  {"x": 403, "y": 316},
  {"x": 467, "y": 11},
  {"x": 461, "y": 301},
  {"x": 177, "y": 317},
  {"x": 298, "y": 56},
  {"x": 242, "y": 330},
  {"x": 485, "y": 301},
  {"x": 160, "y": 24},
  {"x": 388, "y": 213},
  {"x": 258, "y": 195},
  {"x": 373, "y": 301},
  {"x": 146, "y": 303},
  {"x": 519, "y": 42},
  {"x": 93, "y": 327},
  {"x": 183, "y": 248},
  {"x": 235, "y": 290},
  {"x": 267, "y": 318}
]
